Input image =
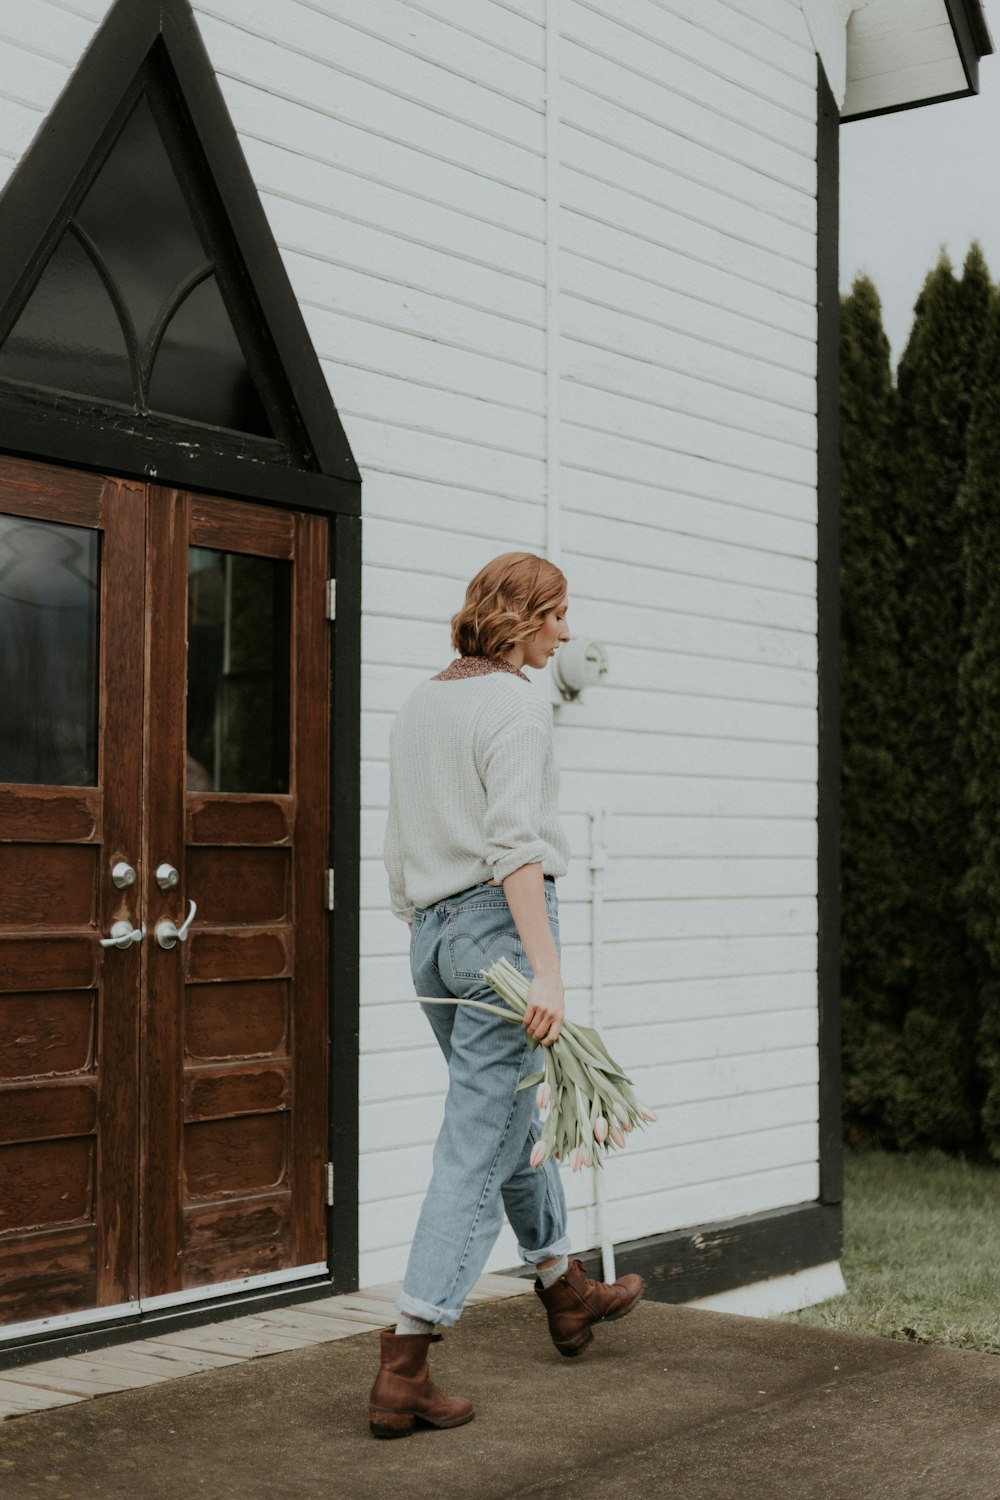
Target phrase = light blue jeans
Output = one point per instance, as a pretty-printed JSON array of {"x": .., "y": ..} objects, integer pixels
[{"x": 481, "y": 1158}]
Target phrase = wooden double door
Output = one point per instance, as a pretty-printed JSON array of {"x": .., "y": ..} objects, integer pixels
[{"x": 164, "y": 712}]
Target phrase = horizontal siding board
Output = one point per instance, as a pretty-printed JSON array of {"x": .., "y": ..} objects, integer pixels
[
  {"x": 417, "y": 173},
  {"x": 697, "y": 220},
  {"x": 727, "y": 1036},
  {"x": 367, "y": 113},
  {"x": 772, "y": 31},
  {"x": 703, "y": 1162},
  {"x": 598, "y": 225},
  {"x": 661, "y": 143},
  {"x": 650, "y": 793},
  {"x": 323, "y": 285},
  {"x": 322, "y": 233},
  {"x": 416, "y": 31},
  {"x": 667, "y": 505},
  {"x": 694, "y": 999},
  {"x": 659, "y": 46},
  {"x": 688, "y": 958},
  {"x": 649, "y": 383},
  {"x": 19, "y": 122},
  {"x": 784, "y": 18},
  {"x": 379, "y": 445},
  {"x": 34, "y": 82},
  {"x": 646, "y": 713},
  {"x": 736, "y": 1197},
  {"x": 656, "y": 545},
  {"x": 669, "y": 1083},
  {"x": 628, "y": 624},
  {"x": 343, "y": 340},
  {"x": 714, "y": 439},
  {"x": 516, "y": 28},
  {"x": 629, "y": 353},
  {"x": 49, "y": 30},
  {"x": 430, "y": 202},
  {"x": 447, "y": 414},
  {"x": 588, "y": 68},
  {"x": 302, "y": 43},
  {"x": 678, "y": 592},
  {"x": 631, "y": 306},
  {"x": 705, "y": 475}
]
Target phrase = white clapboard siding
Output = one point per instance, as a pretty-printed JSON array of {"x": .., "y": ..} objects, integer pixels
[
  {"x": 642, "y": 308},
  {"x": 399, "y": 147}
]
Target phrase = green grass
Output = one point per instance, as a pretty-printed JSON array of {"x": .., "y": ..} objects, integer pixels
[{"x": 921, "y": 1252}]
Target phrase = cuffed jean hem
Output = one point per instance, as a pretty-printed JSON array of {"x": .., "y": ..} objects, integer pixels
[
  {"x": 413, "y": 1307},
  {"x": 561, "y": 1246}
]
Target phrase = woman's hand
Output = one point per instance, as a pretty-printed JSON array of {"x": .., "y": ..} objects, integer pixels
[
  {"x": 525, "y": 892},
  {"x": 546, "y": 1008}
]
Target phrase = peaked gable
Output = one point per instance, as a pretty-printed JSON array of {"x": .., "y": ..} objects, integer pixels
[{"x": 143, "y": 301}]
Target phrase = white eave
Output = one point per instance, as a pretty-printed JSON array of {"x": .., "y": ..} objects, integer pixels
[{"x": 902, "y": 53}]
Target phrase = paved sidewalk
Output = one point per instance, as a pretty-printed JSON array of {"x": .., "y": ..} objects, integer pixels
[{"x": 671, "y": 1402}]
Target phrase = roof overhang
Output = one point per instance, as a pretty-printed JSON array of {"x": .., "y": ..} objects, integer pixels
[{"x": 905, "y": 53}]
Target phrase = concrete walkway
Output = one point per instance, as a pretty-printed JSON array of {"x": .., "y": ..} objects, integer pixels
[{"x": 672, "y": 1401}]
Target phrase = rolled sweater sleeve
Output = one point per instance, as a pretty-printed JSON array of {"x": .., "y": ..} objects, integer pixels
[{"x": 513, "y": 757}]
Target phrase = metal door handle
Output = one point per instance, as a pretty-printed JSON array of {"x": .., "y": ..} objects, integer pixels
[
  {"x": 167, "y": 933},
  {"x": 123, "y": 935}
]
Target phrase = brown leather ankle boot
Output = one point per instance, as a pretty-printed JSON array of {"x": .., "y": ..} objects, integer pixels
[
  {"x": 574, "y": 1303},
  {"x": 404, "y": 1392}
]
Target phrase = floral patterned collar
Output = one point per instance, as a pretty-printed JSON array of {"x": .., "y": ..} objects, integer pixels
[{"x": 477, "y": 666}]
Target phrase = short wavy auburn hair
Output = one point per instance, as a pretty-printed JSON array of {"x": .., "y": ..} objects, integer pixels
[{"x": 505, "y": 603}]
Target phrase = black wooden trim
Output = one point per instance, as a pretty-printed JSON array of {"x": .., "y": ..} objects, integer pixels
[
  {"x": 345, "y": 854},
  {"x": 68, "y": 149},
  {"x": 61, "y": 434},
  {"x": 831, "y": 1149},
  {"x": 972, "y": 37},
  {"x": 148, "y": 1325},
  {"x": 711, "y": 1258}
]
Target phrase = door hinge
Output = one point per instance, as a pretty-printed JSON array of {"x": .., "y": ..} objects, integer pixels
[
  {"x": 330, "y": 896},
  {"x": 331, "y": 598},
  {"x": 329, "y": 1184}
]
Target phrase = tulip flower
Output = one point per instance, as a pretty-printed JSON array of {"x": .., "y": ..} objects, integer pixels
[{"x": 590, "y": 1102}]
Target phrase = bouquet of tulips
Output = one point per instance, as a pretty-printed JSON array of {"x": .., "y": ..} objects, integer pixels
[{"x": 589, "y": 1102}]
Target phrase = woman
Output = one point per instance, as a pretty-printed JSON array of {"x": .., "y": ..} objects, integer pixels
[{"x": 473, "y": 849}]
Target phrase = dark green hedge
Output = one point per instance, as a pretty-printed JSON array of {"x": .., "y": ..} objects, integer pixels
[{"x": 921, "y": 790}]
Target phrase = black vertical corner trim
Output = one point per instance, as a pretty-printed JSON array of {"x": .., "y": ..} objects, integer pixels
[
  {"x": 345, "y": 857},
  {"x": 972, "y": 37},
  {"x": 831, "y": 1163}
]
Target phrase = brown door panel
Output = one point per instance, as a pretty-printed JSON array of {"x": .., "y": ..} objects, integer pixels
[
  {"x": 64, "y": 815},
  {"x": 162, "y": 1109}
]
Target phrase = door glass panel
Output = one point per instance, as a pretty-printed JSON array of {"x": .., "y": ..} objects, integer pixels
[
  {"x": 239, "y": 650},
  {"x": 48, "y": 653}
]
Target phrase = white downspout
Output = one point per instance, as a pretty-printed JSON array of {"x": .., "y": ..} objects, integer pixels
[
  {"x": 598, "y": 862},
  {"x": 553, "y": 541}
]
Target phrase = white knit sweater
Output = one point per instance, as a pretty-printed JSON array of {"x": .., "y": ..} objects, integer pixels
[{"x": 473, "y": 789}]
